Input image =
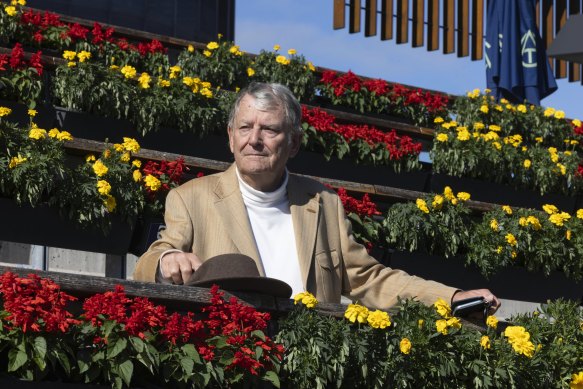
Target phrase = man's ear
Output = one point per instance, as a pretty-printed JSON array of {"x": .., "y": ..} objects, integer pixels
[{"x": 230, "y": 132}]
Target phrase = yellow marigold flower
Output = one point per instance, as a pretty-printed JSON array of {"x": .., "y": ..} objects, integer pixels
[
  {"x": 206, "y": 92},
  {"x": 103, "y": 187},
  {"x": 441, "y": 326},
  {"x": 99, "y": 168},
  {"x": 163, "y": 83},
  {"x": 378, "y": 319},
  {"x": 15, "y": 161},
  {"x": 576, "y": 122},
  {"x": 311, "y": 66},
  {"x": 484, "y": 108},
  {"x": 454, "y": 322},
  {"x": 437, "y": 202},
  {"x": 497, "y": 145},
  {"x": 521, "y": 108},
  {"x": 130, "y": 144},
  {"x": 90, "y": 158},
  {"x": 207, "y": 53},
  {"x": 292, "y": 51},
  {"x": 110, "y": 203},
  {"x": 463, "y": 135},
  {"x": 550, "y": 209},
  {"x": 10, "y": 10},
  {"x": 447, "y": 126},
  {"x": 527, "y": 163},
  {"x": 534, "y": 222},
  {"x": 538, "y": 139},
  {"x": 356, "y": 313},
  {"x": 549, "y": 112},
  {"x": 118, "y": 147},
  {"x": 37, "y": 133},
  {"x": 485, "y": 342},
  {"x": 276, "y": 47},
  {"x": 420, "y": 323},
  {"x": 494, "y": 224},
  {"x": 499, "y": 249},
  {"x": 562, "y": 168},
  {"x": 234, "y": 49},
  {"x": 448, "y": 193},
  {"x": 152, "y": 182},
  {"x": 479, "y": 126},
  {"x": 511, "y": 239},
  {"x": 32, "y": 113},
  {"x": 113, "y": 67},
  {"x": 507, "y": 209},
  {"x": 568, "y": 234},
  {"x": 513, "y": 254},
  {"x": 64, "y": 136},
  {"x": 137, "y": 175},
  {"x": 69, "y": 55},
  {"x": 250, "y": 72},
  {"x": 559, "y": 115},
  {"x": 473, "y": 94},
  {"x": 128, "y": 71},
  {"x": 281, "y": 59},
  {"x": 520, "y": 340},
  {"x": 83, "y": 56},
  {"x": 438, "y": 119},
  {"x": 125, "y": 157},
  {"x": 306, "y": 298},
  {"x": 524, "y": 148},
  {"x": 497, "y": 107},
  {"x": 580, "y": 213},
  {"x": 212, "y": 45},
  {"x": 405, "y": 346},
  {"x": 137, "y": 163},
  {"x": 574, "y": 143},
  {"x": 494, "y": 127},
  {"x": 463, "y": 196},
  {"x": 422, "y": 205},
  {"x": 492, "y": 321},
  {"x": 190, "y": 48},
  {"x": 522, "y": 221},
  {"x": 144, "y": 80},
  {"x": 576, "y": 381},
  {"x": 442, "y": 307},
  {"x": 559, "y": 219},
  {"x": 188, "y": 81},
  {"x": 53, "y": 133},
  {"x": 174, "y": 70},
  {"x": 554, "y": 158},
  {"x": 442, "y": 137},
  {"x": 5, "y": 111}
]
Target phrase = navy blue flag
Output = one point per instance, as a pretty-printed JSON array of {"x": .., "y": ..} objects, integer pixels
[{"x": 517, "y": 67}]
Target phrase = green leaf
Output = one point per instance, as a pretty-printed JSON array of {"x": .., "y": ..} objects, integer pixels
[
  {"x": 272, "y": 377},
  {"x": 187, "y": 364},
  {"x": 126, "y": 369},
  {"x": 16, "y": 359},
  {"x": 40, "y": 347},
  {"x": 117, "y": 348},
  {"x": 259, "y": 334}
]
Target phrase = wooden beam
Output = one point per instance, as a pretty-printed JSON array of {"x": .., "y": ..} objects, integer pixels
[
  {"x": 574, "y": 68},
  {"x": 449, "y": 26},
  {"x": 418, "y": 22},
  {"x": 478, "y": 30},
  {"x": 354, "y": 16},
  {"x": 386, "y": 20},
  {"x": 560, "y": 20},
  {"x": 370, "y": 21},
  {"x": 547, "y": 26},
  {"x": 433, "y": 25},
  {"x": 339, "y": 15},
  {"x": 463, "y": 28},
  {"x": 402, "y": 21}
]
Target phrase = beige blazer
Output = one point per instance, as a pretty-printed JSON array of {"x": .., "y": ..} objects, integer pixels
[{"x": 207, "y": 216}]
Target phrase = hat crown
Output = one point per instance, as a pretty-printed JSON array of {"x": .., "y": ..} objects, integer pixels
[{"x": 226, "y": 266}]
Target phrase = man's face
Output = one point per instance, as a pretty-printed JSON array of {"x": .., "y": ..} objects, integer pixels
[{"x": 261, "y": 145}]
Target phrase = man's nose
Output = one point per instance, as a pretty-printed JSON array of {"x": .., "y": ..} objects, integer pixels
[{"x": 255, "y": 137}]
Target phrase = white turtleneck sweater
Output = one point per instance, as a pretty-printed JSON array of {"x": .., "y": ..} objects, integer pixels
[{"x": 271, "y": 222}]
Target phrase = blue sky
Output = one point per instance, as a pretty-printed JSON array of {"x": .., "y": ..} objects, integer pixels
[{"x": 306, "y": 25}]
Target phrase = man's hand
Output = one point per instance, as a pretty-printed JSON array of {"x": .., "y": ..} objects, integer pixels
[
  {"x": 178, "y": 267},
  {"x": 485, "y": 293}
]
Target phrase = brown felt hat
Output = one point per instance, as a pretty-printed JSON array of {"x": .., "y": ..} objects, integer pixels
[{"x": 237, "y": 273}]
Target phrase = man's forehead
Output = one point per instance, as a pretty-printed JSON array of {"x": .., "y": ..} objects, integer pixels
[{"x": 250, "y": 106}]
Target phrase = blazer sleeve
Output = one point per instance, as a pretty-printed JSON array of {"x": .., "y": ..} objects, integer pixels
[
  {"x": 177, "y": 235},
  {"x": 375, "y": 285}
]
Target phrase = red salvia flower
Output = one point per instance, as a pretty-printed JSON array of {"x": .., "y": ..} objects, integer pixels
[
  {"x": 35, "y": 62},
  {"x": 16, "y": 56}
]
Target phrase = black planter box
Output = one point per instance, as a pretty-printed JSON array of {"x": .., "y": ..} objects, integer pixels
[
  {"x": 211, "y": 146},
  {"x": 514, "y": 283},
  {"x": 44, "y": 226},
  {"x": 44, "y": 117},
  {"x": 314, "y": 164},
  {"x": 11, "y": 382},
  {"x": 146, "y": 232},
  {"x": 94, "y": 127},
  {"x": 501, "y": 194}
]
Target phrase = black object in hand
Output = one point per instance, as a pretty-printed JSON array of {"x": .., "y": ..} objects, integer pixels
[{"x": 466, "y": 306}]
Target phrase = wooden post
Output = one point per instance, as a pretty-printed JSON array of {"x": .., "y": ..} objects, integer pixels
[
  {"x": 339, "y": 15},
  {"x": 386, "y": 20}
]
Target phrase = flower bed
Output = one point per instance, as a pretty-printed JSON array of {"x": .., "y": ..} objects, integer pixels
[{"x": 121, "y": 341}]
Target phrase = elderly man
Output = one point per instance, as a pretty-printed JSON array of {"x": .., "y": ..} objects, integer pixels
[{"x": 293, "y": 227}]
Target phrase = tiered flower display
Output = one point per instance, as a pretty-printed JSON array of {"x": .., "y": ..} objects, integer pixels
[
  {"x": 20, "y": 78},
  {"x": 362, "y": 214}
]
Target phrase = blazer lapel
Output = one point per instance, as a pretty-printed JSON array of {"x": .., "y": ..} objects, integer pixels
[
  {"x": 305, "y": 209},
  {"x": 231, "y": 209}
]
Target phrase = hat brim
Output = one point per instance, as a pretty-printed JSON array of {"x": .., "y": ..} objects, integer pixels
[{"x": 261, "y": 285}]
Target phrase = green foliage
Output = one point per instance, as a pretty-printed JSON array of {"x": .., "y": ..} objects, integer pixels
[{"x": 23, "y": 86}]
